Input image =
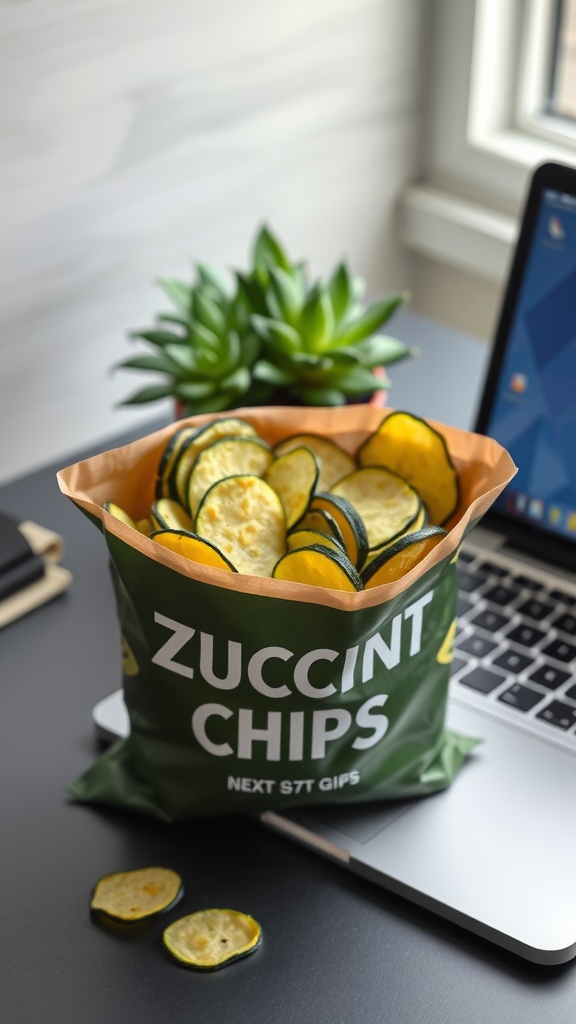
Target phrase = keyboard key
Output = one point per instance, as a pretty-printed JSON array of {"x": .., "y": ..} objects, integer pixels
[
  {"x": 564, "y": 597},
  {"x": 548, "y": 676},
  {"x": 501, "y": 595},
  {"x": 490, "y": 569},
  {"x": 535, "y": 609},
  {"x": 464, "y": 605},
  {"x": 571, "y": 693},
  {"x": 482, "y": 679},
  {"x": 526, "y": 636},
  {"x": 559, "y": 714},
  {"x": 527, "y": 582},
  {"x": 560, "y": 650},
  {"x": 490, "y": 620},
  {"x": 465, "y": 557},
  {"x": 468, "y": 582},
  {"x": 477, "y": 645},
  {"x": 457, "y": 664},
  {"x": 566, "y": 623},
  {"x": 520, "y": 697},
  {"x": 512, "y": 661}
]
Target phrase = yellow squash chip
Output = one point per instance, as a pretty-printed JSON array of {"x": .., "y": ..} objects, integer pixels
[
  {"x": 384, "y": 501},
  {"x": 165, "y": 485},
  {"x": 120, "y": 513},
  {"x": 134, "y": 895},
  {"x": 210, "y": 939},
  {"x": 305, "y": 538},
  {"x": 349, "y": 523},
  {"x": 333, "y": 461},
  {"x": 229, "y": 426},
  {"x": 294, "y": 476},
  {"x": 318, "y": 566},
  {"x": 167, "y": 514},
  {"x": 197, "y": 549},
  {"x": 229, "y": 456},
  {"x": 243, "y": 516},
  {"x": 401, "y": 557},
  {"x": 416, "y": 451}
]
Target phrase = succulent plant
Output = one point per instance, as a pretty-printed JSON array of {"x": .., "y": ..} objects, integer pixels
[{"x": 266, "y": 335}]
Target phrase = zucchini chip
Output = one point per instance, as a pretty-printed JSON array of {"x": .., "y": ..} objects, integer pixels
[
  {"x": 420, "y": 521},
  {"x": 412, "y": 448},
  {"x": 168, "y": 514},
  {"x": 244, "y": 518},
  {"x": 197, "y": 549},
  {"x": 134, "y": 895},
  {"x": 319, "y": 567},
  {"x": 119, "y": 513},
  {"x": 318, "y": 519},
  {"x": 349, "y": 521},
  {"x": 387, "y": 505},
  {"x": 210, "y": 939},
  {"x": 401, "y": 556},
  {"x": 229, "y": 456},
  {"x": 230, "y": 426},
  {"x": 305, "y": 538},
  {"x": 164, "y": 483},
  {"x": 333, "y": 461},
  {"x": 294, "y": 476}
]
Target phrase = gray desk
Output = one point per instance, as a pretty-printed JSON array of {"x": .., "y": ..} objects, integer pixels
[{"x": 337, "y": 949}]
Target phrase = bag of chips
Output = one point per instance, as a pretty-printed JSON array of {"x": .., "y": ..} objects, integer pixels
[{"x": 286, "y": 589}]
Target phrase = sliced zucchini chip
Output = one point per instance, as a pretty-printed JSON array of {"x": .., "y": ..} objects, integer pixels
[
  {"x": 168, "y": 514},
  {"x": 197, "y": 549},
  {"x": 119, "y": 513},
  {"x": 400, "y": 557},
  {"x": 333, "y": 461},
  {"x": 230, "y": 426},
  {"x": 294, "y": 476},
  {"x": 305, "y": 538},
  {"x": 349, "y": 521},
  {"x": 418, "y": 453},
  {"x": 145, "y": 526},
  {"x": 168, "y": 459},
  {"x": 319, "y": 519},
  {"x": 318, "y": 566},
  {"x": 210, "y": 939},
  {"x": 243, "y": 516},
  {"x": 420, "y": 521},
  {"x": 384, "y": 501},
  {"x": 229, "y": 456},
  {"x": 134, "y": 895}
]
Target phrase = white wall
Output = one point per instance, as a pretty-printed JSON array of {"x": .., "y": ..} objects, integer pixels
[{"x": 139, "y": 135}]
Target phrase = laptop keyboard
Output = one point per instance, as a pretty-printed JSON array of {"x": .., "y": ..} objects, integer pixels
[{"x": 515, "y": 646}]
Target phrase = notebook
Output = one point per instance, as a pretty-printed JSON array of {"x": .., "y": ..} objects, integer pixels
[{"x": 495, "y": 852}]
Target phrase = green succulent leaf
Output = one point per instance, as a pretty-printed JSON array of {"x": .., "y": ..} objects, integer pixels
[
  {"x": 179, "y": 293},
  {"x": 213, "y": 279},
  {"x": 191, "y": 390},
  {"x": 286, "y": 289},
  {"x": 158, "y": 338},
  {"x": 359, "y": 381},
  {"x": 173, "y": 318},
  {"x": 272, "y": 374},
  {"x": 382, "y": 350},
  {"x": 250, "y": 348},
  {"x": 208, "y": 313},
  {"x": 160, "y": 363},
  {"x": 203, "y": 338},
  {"x": 340, "y": 291},
  {"x": 267, "y": 252},
  {"x": 236, "y": 383},
  {"x": 321, "y": 396},
  {"x": 317, "y": 320},
  {"x": 251, "y": 293},
  {"x": 150, "y": 394},
  {"x": 183, "y": 356},
  {"x": 350, "y": 332},
  {"x": 278, "y": 335}
]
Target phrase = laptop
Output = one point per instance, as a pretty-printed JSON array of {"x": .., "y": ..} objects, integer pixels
[{"x": 495, "y": 852}]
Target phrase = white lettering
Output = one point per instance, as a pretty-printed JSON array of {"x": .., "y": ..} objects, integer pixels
[
  {"x": 270, "y": 735},
  {"x": 301, "y": 673},
  {"x": 321, "y": 733},
  {"x": 414, "y": 611},
  {"x": 256, "y": 664},
  {"x": 349, "y": 666},
  {"x": 378, "y": 723},
  {"x": 296, "y": 747},
  {"x": 199, "y": 719},
  {"x": 390, "y": 656},
  {"x": 165, "y": 656},
  {"x": 231, "y": 680}
]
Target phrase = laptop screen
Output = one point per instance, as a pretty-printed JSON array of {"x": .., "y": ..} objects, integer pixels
[{"x": 532, "y": 411}]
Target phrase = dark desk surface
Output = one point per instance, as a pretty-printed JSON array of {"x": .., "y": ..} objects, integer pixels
[{"x": 337, "y": 949}]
